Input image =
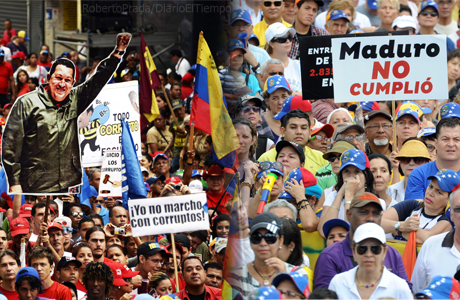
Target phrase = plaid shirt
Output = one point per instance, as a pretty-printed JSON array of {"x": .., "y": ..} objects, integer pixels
[{"x": 295, "y": 51}]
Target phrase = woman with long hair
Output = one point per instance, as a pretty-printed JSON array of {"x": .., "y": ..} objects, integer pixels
[
  {"x": 83, "y": 253},
  {"x": 22, "y": 83},
  {"x": 221, "y": 226},
  {"x": 147, "y": 162},
  {"x": 160, "y": 284}
]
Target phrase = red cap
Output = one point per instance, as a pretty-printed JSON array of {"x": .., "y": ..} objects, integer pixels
[
  {"x": 298, "y": 103},
  {"x": 26, "y": 211},
  {"x": 117, "y": 270},
  {"x": 54, "y": 225},
  {"x": 327, "y": 128},
  {"x": 188, "y": 78},
  {"x": 127, "y": 273},
  {"x": 213, "y": 171},
  {"x": 179, "y": 248},
  {"x": 159, "y": 154},
  {"x": 19, "y": 54},
  {"x": 19, "y": 225},
  {"x": 307, "y": 178},
  {"x": 7, "y": 105},
  {"x": 173, "y": 180}
]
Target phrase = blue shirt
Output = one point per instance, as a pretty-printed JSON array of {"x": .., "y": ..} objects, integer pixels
[
  {"x": 104, "y": 213},
  {"x": 253, "y": 84},
  {"x": 260, "y": 54},
  {"x": 450, "y": 44}
]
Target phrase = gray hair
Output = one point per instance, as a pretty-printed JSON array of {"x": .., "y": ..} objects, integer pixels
[
  {"x": 264, "y": 66},
  {"x": 451, "y": 197},
  {"x": 281, "y": 203},
  {"x": 92, "y": 171}
]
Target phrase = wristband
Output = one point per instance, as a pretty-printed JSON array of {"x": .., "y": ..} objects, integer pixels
[
  {"x": 347, "y": 202},
  {"x": 335, "y": 207},
  {"x": 245, "y": 183}
]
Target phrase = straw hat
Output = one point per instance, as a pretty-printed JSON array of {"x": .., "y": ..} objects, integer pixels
[{"x": 413, "y": 148}]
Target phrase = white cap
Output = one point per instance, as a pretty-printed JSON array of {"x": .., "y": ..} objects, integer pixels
[
  {"x": 277, "y": 30},
  {"x": 404, "y": 22},
  {"x": 221, "y": 244},
  {"x": 369, "y": 231},
  {"x": 64, "y": 221},
  {"x": 195, "y": 186},
  {"x": 144, "y": 169}
]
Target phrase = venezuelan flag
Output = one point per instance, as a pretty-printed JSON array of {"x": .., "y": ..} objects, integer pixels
[{"x": 209, "y": 108}]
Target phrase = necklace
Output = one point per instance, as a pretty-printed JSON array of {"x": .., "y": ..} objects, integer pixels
[
  {"x": 264, "y": 277},
  {"x": 367, "y": 286}
]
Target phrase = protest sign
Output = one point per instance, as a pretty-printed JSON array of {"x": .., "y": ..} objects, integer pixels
[
  {"x": 169, "y": 214},
  {"x": 390, "y": 68},
  {"x": 316, "y": 63},
  {"x": 99, "y": 126},
  {"x": 110, "y": 185}
]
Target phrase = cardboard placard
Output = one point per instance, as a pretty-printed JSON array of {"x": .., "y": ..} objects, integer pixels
[{"x": 110, "y": 185}]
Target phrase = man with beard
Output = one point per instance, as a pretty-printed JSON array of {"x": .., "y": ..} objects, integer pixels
[
  {"x": 96, "y": 240},
  {"x": 97, "y": 279},
  {"x": 9, "y": 266},
  {"x": 379, "y": 130}
]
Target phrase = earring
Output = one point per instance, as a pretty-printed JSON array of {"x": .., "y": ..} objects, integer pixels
[
  {"x": 281, "y": 247},
  {"x": 292, "y": 250}
]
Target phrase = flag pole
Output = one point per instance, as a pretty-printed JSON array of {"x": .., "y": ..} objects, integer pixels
[
  {"x": 173, "y": 243},
  {"x": 190, "y": 147},
  {"x": 169, "y": 104},
  {"x": 395, "y": 144}
]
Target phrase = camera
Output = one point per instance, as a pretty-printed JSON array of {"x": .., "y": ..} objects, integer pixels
[
  {"x": 119, "y": 231},
  {"x": 177, "y": 187}
]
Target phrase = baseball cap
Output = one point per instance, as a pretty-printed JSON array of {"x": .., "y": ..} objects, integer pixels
[
  {"x": 265, "y": 293},
  {"x": 336, "y": 14},
  {"x": 253, "y": 36},
  {"x": 124, "y": 72},
  {"x": 404, "y": 22},
  {"x": 300, "y": 281},
  {"x": 427, "y": 131},
  {"x": 19, "y": 54},
  {"x": 19, "y": 225},
  {"x": 267, "y": 220},
  {"x": 369, "y": 231},
  {"x": 67, "y": 260},
  {"x": 187, "y": 78},
  {"x": 366, "y": 105},
  {"x": 327, "y": 128},
  {"x": 173, "y": 180},
  {"x": 117, "y": 273},
  {"x": 28, "y": 271},
  {"x": 276, "y": 82},
  {"x": 177, "y": 103},
  {"x": 149, "y": 248},
  {"x": 354, "y": 157},
  {"x": 441, "y": 287},
  {"x": 179, "y": 248},
  {"x": 240, "y": 14},
  {"x": 448, "y": 180},
  {"x": 44, "y": 52},
  {"x": 372, "y": 4},
  {"x": 25, "y": 211},
  {"x": 195, "y": 186},
  {"x": 196, "y": 173},
  {"x": 277, "y": 29},
  {"x": 64, "y": 221},
  {"x": 144, "y": 169},
  {"x": 55, "y": 225},
  {"x": 234, "y": 44},
  {"x": 410, "y": 107},
  {"x": 450, "y": 110},
  {"x": 342, "y": 127},
  {"x": 334, "y": 223},
  {"x": 23, "y": 34},
  {"x": 8, "y": 104},
  {"x": 154, "y": 179},
  {"x": 243, "y": 100},
  {"x": 339, "y": 147},
  {"x": 375, "y": 113},
  {"x": 299, "y": 149},
  {"x": 221, "y": 244},
  {"x": 292, "y": 103},
  {"x": 159, "y": 154},
  {"x": 309, "y": 182},
  {"x": 408, "y": 112},
  {"x": 182, "y": 240},
  {"x": 127, "y": 272},
  {"x": 2, "y": 53},
  {"x": 213, "y": 171},
  {"x": 363, "y": 199},
  {"x": 429, "y": 3}
]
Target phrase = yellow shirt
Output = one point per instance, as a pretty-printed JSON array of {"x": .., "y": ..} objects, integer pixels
[
  {"x": 455, "y": 13},
  {"x": 313, "y": 159},
  {"x": 260, "y": 29}
]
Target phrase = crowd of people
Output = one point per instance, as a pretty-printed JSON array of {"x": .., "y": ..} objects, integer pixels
[{"x": 348, "y": 183}]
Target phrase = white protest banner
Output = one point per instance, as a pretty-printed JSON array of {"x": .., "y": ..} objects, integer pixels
[
  {"x": 390, "y": 68},
  {"x": 99, "y": 126},
  {"x": 110, "y": 185},
  {"x": 169, "y": 214}
]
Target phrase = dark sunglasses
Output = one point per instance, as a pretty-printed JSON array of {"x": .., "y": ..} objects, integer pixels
[
  {"x": 417, "y": 160},
  {"x": 375, "y": 249},
  {"x": 246, "y": 109},
  {"x": 332, "y": 158},
  {"x": 431, "y": 13},
  {"x": 75, "y": 214},
  {"x": 267, "y": 165},
  {"x": 276, "y": 3},
  {"x": 282, "y": 40},
  {"x": 269, "y": 237}
]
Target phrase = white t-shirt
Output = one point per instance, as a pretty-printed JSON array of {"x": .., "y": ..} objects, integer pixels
[
  {"x": 330, "y": 199},
  {"x": 446, "y": 29},
  {"x": 39, "y": 73},
  {"x": 454, "y": 37},
  {"x": 182, "y": 66},
  {"x": 33, "y": 237},
  {"x": 360, "y": 21},
  {"x": 397, "y": 191},
  {"x": 7, "y": 53},
  {"x": 293, "y": 75}
]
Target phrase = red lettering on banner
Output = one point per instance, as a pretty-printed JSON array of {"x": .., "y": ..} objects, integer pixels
[
  {"x": 371, "y": 89},
  {"x": 397, "y": 86},
  {"x": 406, "y": 88},
  {"x": 353, "y": 89},
  {"x": 382, "y": 88},
  {"x": 404, "y": 73},
  {"x": 384, "y": 72}
]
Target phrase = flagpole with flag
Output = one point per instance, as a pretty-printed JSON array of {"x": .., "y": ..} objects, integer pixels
[
  {"x": 149, "y": 82},
  {"x": 209, "y": 109}
]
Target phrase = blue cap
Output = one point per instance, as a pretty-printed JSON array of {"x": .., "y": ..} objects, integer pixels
[
  {"x": 338, "y": 14},
  {"x": 292, "y": 103},
  {"x": 357, "y": 31},
  {"x": 429, "y": 3},
  {"x": 196, "y": 173},
  {"x": 28, "y": 271},
  {"x": 441, "y": 287},
  {"x": 372, "y": 4},
  {"x": 276, "y": 82},
  {"x": 423, "y": 110},
  {"x": 448, "y": 180},
  {"x": 93, "y": 191},
  {"x": 154, "y": 179},
  {"x": 265, "y": 293},
  {"x": 299, "y": 280},
  {"x": 253, "y": 36},
  {"x": 235, "y": 44},
  {"x": 148, "y": 297},
  {"x": 240, "y": 14},
  {"x": 334, "y": 223},
  {"x": 427, "y": 131},
  {"x": 354, "y": 157},
  {"x": 409, "y": 112},
  {"x": 295, "y": 174},
  {"x": 2, "y": 53},
  {"x": 450, "y": 110}
]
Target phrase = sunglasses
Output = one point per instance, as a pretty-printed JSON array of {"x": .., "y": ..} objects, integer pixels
[
  {"x": 67, "y": 230},
  {"x": 375, "y": 249},
  {"x": 276, "y": 3},
  {"x": 247, "y": 109},
  {"x": 269, "y": 237},
  {"x": 417, "y": 160},
  {"x": 75, "y": 214},
  {"x": 332, "y": 158},
  {"x": 282, "y": 40},
  {"x": 431, "y": 13},
  {"x": 267, "y": 165},
  {"x": 319, "y": 138}
]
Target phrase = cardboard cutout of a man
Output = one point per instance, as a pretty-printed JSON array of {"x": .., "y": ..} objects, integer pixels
[{"x": 40, "y": 149}]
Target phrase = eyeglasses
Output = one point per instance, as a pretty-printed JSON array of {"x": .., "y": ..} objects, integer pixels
[
  {"x": 350, "y": 138},
  {"x": 67, "y": 230},
  {"x": 266, "y": 165},
  {"x": 269, "y": 237},
  {"x": 375, "y": 249},
  {"x": 385, "y": 126},
  {"x": 430, "y": 147},
  {"x": 247, "y": 109},
  {"x": 431, "y": 13},
  {"x": 269, "y": 3},
  {"x": 417, "y": 160},
  {"x": 282, "y": 40},
  {"x": 332, "y": 158},
  {"x": 75, "y": 214},
  {"x": 157, "y": 261},
  {"x": 289, "y": 295},
  {"x": 276, "y": 73},
  {"x": 319, "y": 138}
]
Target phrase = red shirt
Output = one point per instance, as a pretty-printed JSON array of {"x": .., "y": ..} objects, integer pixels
[
  {"x": 79, "y": 286},
  {"x": 6, "y": 37},
  {"x": 214, "y": 198},
  {"x": 10, "y": 295},
  {"x": 186, "y": 90},
  {"x": 211, "y": 293},
  {"x": 24, "y": 90},
  {"x": 12, "y": 247},
  {"x": 6, "y": 70},
  {"x": 56, "y": 292},
  {"x": 182, "y": 283}
]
